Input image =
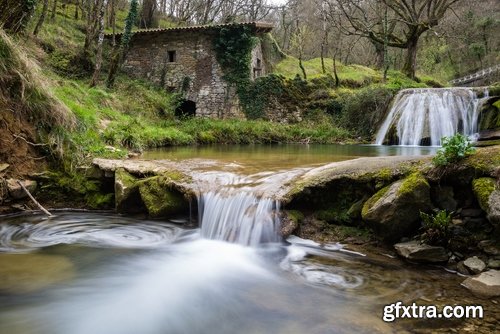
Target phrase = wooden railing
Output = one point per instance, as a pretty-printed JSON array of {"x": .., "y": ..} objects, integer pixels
[{"x": 476, "y": 76}]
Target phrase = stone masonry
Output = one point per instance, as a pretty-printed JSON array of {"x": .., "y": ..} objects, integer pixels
[{"x": 183, "y": 60}]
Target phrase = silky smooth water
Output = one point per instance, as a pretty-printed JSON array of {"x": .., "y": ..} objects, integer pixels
[
  {"x": 86, "y": 273},
  {"x": 431, "y": 114},
  {"x": 91, "y": 273}
]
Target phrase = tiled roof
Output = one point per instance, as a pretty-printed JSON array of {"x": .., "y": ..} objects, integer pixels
[{"x": 258, "y": 26}]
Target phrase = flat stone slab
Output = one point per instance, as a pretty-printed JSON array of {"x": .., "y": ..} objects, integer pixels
[
  {"x": 354, "y": 169},
  {"x": 475, "y": 264},
  {"x": 487, "y": 284},
  {"x": 415, "y": 251}
]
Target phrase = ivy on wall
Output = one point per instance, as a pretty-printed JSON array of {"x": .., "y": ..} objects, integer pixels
[{"x": 233, "y": 49}]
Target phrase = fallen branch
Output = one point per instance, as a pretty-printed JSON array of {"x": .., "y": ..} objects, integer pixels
[
  {"x": 27, "y": 142},
  {"x": 33, "y": 199}
]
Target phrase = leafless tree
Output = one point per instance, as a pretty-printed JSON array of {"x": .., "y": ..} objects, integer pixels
[{"x": 408, "y": 20}]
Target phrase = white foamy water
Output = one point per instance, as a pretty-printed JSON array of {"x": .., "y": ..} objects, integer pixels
[
  {"x": 242, "y": 209},
  {"x": 432, "y": 113}
]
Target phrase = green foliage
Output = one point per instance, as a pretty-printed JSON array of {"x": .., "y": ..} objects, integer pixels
[
  {"x": 454, "y": 148},
  {"x": 361, "y": 110},
  {"x": 129, "y": 24},
  {"x": 233, "y": 47},
  {"x": 436, "y": 227}
]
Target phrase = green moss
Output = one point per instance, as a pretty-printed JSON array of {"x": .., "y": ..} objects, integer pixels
[
  {"x": 98, "y": 200},
  {"x": 485, "y": 160},
  {"x": 483, "y": 187},
  {"x": 160, "y": 197},
  {"x": 411, "y": 182},
  {"x": 176, "y": 176},
  {"x": 372, "y": 200},
  {"x": 295, "y": 215},
  {"x": 383, "y": 177},
  {"x": 337, "y": 215}
]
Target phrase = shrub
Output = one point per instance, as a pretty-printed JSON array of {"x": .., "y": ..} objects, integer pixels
[
  {"x": 436, "y": 227},
  {"x": 454, "y": 148}
]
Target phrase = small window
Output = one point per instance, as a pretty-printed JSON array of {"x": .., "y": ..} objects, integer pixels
[
  {"x": 172, "y": 56},
  {"x": 259, "y": 63}
]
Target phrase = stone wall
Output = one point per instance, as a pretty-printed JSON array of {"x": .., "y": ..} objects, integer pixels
[{"x": 185, "y": 62}]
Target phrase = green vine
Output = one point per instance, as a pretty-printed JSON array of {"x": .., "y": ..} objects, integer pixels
[{"x": 233, "y": 49}]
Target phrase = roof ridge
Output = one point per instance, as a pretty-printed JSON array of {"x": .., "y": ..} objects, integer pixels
[{"x": 266, "y": 26}]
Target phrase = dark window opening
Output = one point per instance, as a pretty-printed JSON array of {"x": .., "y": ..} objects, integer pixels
[
  {"x": 257, "y": 70},
  {"x": 172, "y": 56},
  {"x": 186, "y": 109}
]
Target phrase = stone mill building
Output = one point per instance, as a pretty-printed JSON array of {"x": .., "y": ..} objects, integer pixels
[{"x": 183, "y": 60}]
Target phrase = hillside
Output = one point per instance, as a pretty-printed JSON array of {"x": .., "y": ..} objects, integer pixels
[{"x": 58, "y": 121}]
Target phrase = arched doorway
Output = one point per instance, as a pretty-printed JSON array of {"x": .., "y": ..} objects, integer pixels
[{"x": 186, "y": 109}]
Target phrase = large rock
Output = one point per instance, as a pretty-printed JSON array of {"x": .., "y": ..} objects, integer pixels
[
  {"x": 494, "y": 208},
  {"x": 160, "y": 196},
  {"x": 444, "y": 198},
  {"x": 127, "y": 197},
  {"x": 474, "y": 264},
  {"x": 415, "y": 251},
  {"x": 16, "y": 191},
  {"x": 394, "y": 211},
  {"x": 485, "y": 285},
  {"x": 483, "y": 187}
]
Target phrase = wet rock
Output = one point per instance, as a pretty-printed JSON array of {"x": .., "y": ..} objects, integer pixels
[
  {"x": 23, "y": 273},
  {"x": 494, "y": 264},
  {"x": 415, "y": 251},
  {"x": 472, "y": 213},
  {"x": 462, "y": 269},
  {"x": 486, "y": 284},
  {"x": 16, "y": 191},
  {"x": 482, "y": 188},
  {"x": 444, "y": 198},
  {"x": 394, "y": 211},
  {"x": 290, "y": 222},
  {"x": 490, "y": 247},
  {"x": 474, "y": 224},
  {"x": 160, "y": 197},
  {"x": 494, "y": 208},
  {"x": 127, "y": 197},
  {"x": 474, "y": 264}
]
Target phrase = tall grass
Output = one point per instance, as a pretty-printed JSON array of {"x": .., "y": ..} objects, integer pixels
[{"x": 25, "y": 89}]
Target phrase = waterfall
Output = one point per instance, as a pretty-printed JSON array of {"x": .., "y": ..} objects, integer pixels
[
  {"x": 425, "y": 115},
  {"x": 242, "y": 209}
]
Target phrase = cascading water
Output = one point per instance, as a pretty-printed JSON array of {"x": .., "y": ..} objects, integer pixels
[
  {"x": 424, "y": 116},
  {"x": 241, "y": 209}
]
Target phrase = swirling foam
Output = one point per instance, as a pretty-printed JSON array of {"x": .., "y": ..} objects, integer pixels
[{"x": 90, "y": 230}]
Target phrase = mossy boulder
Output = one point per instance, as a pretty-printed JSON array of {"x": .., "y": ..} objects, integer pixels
[
  {"x": 290, "y": 221},
  {"x": 127, "y": 196},
  {"x": 394, "y": 211},
  {"x": 161, "y": 197},
  {"x": 483, "y": 187},
  {"x": 494, "y": 208}
]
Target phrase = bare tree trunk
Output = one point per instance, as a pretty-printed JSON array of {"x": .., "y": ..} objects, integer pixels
[
  {"x": 379, "y": 54},
  {"x": 54, "y": 10},
  {"x": 113, "y": 21},
  {"x": 42, "y": 17},
  {"x": 335, "y": 74},
  {"x": 77, "y": 4},
  {"x": 411, "y": 58},
  {"x": 302, "y": 66},
  {"x": 98, "y": 57}
]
